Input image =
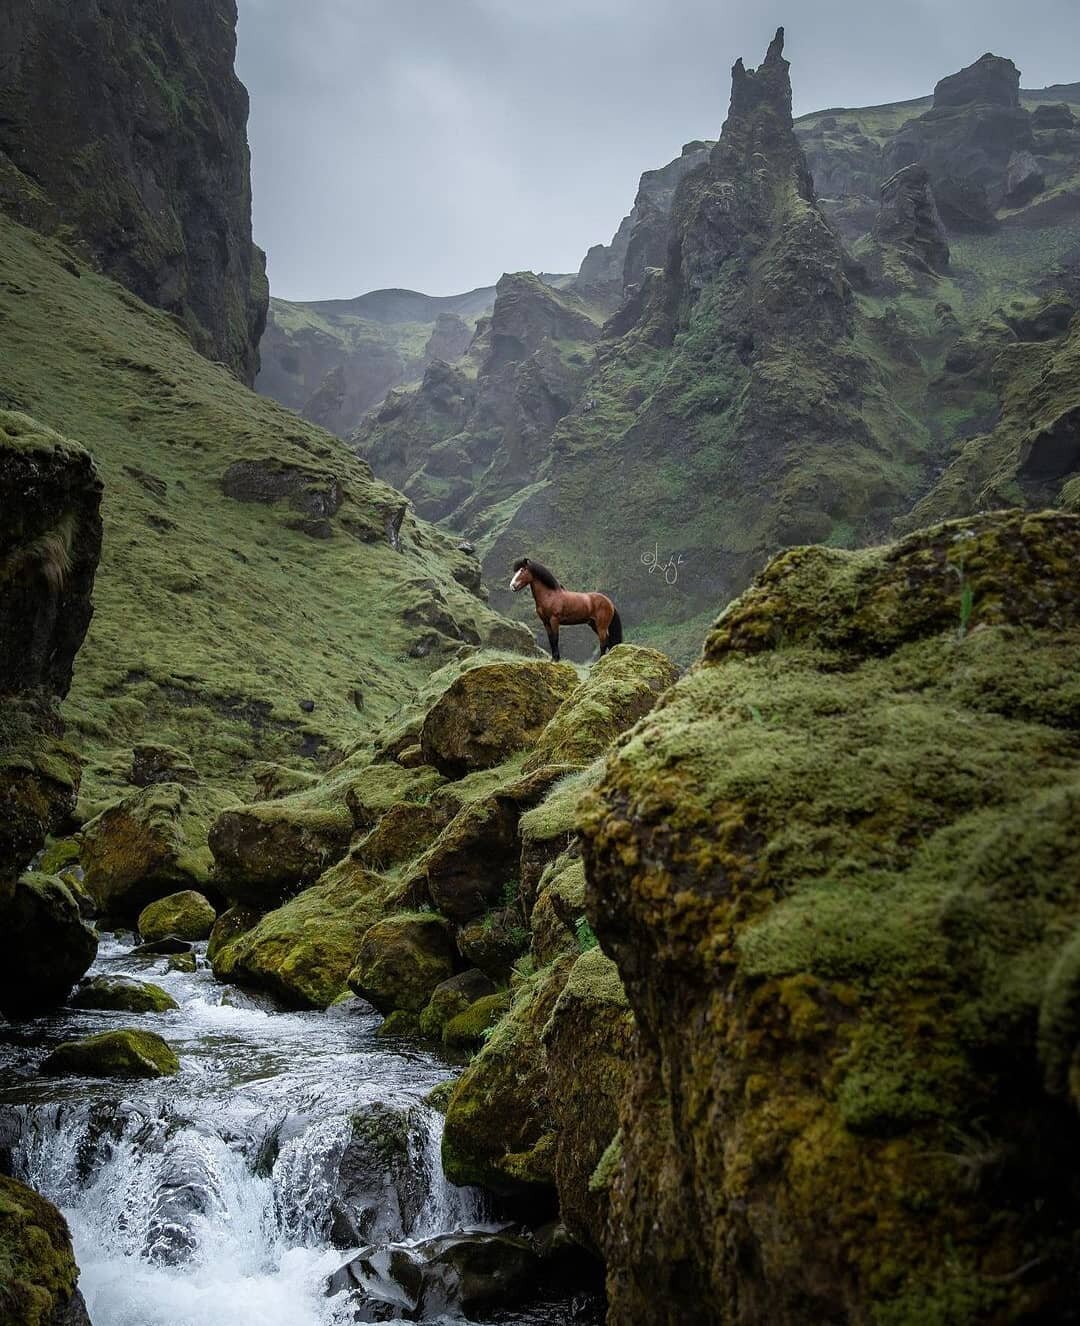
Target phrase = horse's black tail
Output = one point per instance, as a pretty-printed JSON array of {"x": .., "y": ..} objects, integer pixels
[{"x": 614, "y": 631}]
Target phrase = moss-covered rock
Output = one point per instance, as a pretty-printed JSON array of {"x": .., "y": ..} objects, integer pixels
[
  {"x": 490, "y": 712},
  {"x": 39, "y": 777},
  {"x": 473, "y": 864},
  {"x": 267, "y": 851},
  {"x": 620, "y": 688},
  {"x": 38, "y": 1275},
  {"x": 45, "y": 946},
  {"x": 494, "y": 941},
  {"x": 127, "y": 1053},
  {"x": 590, "y": 1042},
  {"x": 837, "y": 867},
  {"x": 439, "y": 1097},
  {"x": 188, "y": 915},
  {"x": 500, "y": 1129},
  {"x": 401, "y": 960},
  {"x": 399, "y": 1023},
  {"x": 468, "y": 1029},
  {"x": 231, "y": 923},
  {"x": 155, "y": 762},
  {"x": 304, "y": 950},
  {"x": 559, "y": 910},
  {"x": 58, "y": 856},
  {"x": 122, "y": 994},
  {"x": 451, "y": 997},
  {"x": 550, "y": 828},
  {"x": 401, "y": 833},
  {"x": 151, "y": 844}
]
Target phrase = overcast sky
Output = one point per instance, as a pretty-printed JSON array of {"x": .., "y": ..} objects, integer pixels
[{"x": 434, "y": 144}]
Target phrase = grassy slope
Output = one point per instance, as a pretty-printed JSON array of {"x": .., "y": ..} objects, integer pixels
[{"x": 213, "y": 618}]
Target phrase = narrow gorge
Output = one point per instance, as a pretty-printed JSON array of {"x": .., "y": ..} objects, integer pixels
[{"x": 360, "y": 963}]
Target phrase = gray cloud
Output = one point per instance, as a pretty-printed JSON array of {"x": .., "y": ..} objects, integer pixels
[{"x": 437, "y": 143}]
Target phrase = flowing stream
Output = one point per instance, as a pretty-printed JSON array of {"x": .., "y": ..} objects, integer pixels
[{"x": 226, "y": 1196}]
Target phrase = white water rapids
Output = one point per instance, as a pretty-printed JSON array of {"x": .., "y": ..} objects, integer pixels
[{"x": 209, "y": 1199}]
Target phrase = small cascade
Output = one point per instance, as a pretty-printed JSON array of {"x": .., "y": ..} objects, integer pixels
[{"x": 233, "y": 1193}]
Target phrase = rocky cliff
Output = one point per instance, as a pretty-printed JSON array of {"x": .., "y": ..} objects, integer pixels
[{"x": 123, "y": 131}]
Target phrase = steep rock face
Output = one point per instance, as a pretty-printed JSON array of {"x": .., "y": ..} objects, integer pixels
[
  {"x": 908, "y": 227},
  {"x": 460, "y": 448},
  {"x": 968, "y": 140},
  {"x": 733, "y": 409},
  {"x": 124, "y": 125},
  {"x": 642, "y": 238},
  {"x": 837, "y": 868},
  {"x": 50, "y": 493}
]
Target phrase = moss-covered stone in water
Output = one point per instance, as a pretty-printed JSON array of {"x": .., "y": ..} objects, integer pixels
[
  {"x": 837, "y": 867},
  {"x": 491, "y": 712},
  {"x": 439, "y": 1097},
  {"x": 127, "y": 1053},
  {"x": 149, "y": 845},
  {"x": 619, "y": 689},
  {"x": 123, "y": 994},
  {"x": 401, "y": 1022},
  {"x": 401, "y": 960},
  {"x": 45, "y": 945},
  {"x": 188, "y": 915},
  {"x": 38, "y": 1275}
]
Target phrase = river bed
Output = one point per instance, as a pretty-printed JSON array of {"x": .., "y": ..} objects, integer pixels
[{"x": 214, "y": 1198}]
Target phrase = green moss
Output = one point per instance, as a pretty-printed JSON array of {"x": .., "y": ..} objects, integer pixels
[
  {"x": 186, "y": 915},
  {"x": 38, "y": 1275},
  {"x": 127, "y": 1053},
  {"x": 467, "y": 1030},
  {"x": 607, "y": 1166},
  {"x": 401, "y": 960},
  {"x": 123, "y": 995}
]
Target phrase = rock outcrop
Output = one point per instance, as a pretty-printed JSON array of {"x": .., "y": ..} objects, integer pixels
[
  {"x": 837, "y": 869},
  {"x": 50, "y": 493},
  {"x": 124, "y": 127},
  {"x": 908, "y": 229}
]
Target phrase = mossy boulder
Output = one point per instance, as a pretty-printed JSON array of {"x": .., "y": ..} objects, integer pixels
[
  {"x": 494, "y": 942},
  {"x": 153, "y": 762},
  {"x": 58, "y": 856},
  {"x": 400, "y": 834},
  {"x": 468, "y": 1029},
  {"x": 188, "y": 915},
  {"x": 500, "y": 1127},
  {"x": 149, "y": 845},
  {"x": 550, "y": 828},
  {"x": 127, "y": 1053},
  {"x": 451, "y": 997},
  {"x": 401, "y": 960},
  {"x": 399, "y": 1023},
  {"x": 839, "y": 872},
  {"x": 590, "y": 1041},
  {"x": 474, "y": 860},
  {"x": 38, "y": 1275},
  {"x": 490, "y": 712},
  {"x": 122, "y": 994},
  {"x": 267, "y": 851},
  {"x": 45, "y": 945},
  {"x": 559, "y": 910},
  {"x": 304, "y": 950},
  {"x": 620, "y": 688}
]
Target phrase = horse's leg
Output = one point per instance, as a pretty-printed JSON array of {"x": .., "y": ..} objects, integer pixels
[
  {"x": 552, "y": 624},
  {"x": 600, "y": 625}
]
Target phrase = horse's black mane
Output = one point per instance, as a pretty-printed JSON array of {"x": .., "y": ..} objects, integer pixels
[{"x": 541, "y": 573}]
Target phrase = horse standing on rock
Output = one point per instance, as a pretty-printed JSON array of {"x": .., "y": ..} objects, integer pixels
[{"x": 557, "y": 607}]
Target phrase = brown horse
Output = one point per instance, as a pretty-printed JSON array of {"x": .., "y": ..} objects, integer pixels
[{"x": 557, "y": 607}]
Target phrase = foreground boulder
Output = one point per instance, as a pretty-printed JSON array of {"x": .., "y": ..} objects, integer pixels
[
  {"x": 149, "y": 845},
  {"x": 838, "y": 868},
  {"x": 44, "y": 943},
  {"x": 128, "y": 1053},
  {"x": 451, "y": 997},
  {"x": 621, "y": 688},
  {"x": 401, "y": 960},
  {"x": 40, "y": 1278},
  {"x": 490, "y": 712},
  {"x": 187, "y": 915}
]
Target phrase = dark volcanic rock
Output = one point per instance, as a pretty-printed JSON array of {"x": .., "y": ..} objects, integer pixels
[
  {"x": 46, "y": 946},
  {"x": 967, "y": 141},
  {"x": 991, "y": 79},
  {"x": 124, "y": 124},
  {"x": 909, "y": 223}
]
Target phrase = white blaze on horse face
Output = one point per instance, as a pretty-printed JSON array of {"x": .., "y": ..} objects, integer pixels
[{"x": 517, "y": 581}]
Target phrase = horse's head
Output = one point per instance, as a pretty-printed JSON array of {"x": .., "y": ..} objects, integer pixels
[{"x": 522, "y": 574}]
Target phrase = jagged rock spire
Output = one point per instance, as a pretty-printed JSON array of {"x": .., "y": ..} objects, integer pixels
[{"x": 770, "y": 84}]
